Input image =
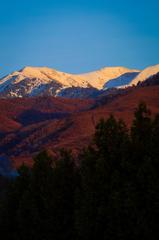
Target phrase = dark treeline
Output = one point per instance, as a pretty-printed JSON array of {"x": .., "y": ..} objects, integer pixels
[{"x": 112, "y": 194}]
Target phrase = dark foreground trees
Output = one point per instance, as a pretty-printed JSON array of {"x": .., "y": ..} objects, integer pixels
[{"x": 112, "y": 194}]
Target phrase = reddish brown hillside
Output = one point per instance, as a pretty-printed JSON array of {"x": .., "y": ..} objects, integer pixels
[{"x": 30, "y": 125}]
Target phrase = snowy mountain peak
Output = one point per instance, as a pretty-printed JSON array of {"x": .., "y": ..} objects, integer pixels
[
  {"x": 100, "y": 77},
  {"x": 41, "y": 81},
  {"x": 145, "y": 74},
  {"x": 44, "y": 73}
]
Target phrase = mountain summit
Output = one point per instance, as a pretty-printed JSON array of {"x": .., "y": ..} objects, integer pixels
[
  {"x": 99, "y": 78},
  {"x": 44, "y": 81},
  {"x": 145, "y": 74}
]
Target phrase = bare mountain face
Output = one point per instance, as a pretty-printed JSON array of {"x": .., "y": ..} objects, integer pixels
[{"x": 43, "y": 81}]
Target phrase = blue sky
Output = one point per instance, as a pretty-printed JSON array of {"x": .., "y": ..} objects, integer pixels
[{"x": 78, "y": 36}]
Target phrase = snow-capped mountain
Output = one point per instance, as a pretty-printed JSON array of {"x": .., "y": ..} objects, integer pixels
[
  {"x": 145, "y": 74},
  {"x": 37, "y": 81},
  {"x": 133, "y": 78},
  {"x": 122, "y": 81},
  {"x": 43, "y": 81},
  {"x": 98, "y": 79},
  {"x": 33, "y": 81}
]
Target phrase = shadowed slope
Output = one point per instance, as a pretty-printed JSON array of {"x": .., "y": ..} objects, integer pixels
[{"x": 62, "y": 123}]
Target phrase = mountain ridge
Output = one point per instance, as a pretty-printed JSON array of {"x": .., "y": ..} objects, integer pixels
[{"x": 43, "y": 81}]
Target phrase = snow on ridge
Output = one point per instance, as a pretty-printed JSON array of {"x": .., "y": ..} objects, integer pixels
[
  {"x": 121, "y": 81},
  {"x": 39, "y": 81},
  {"x": 99, "y": 78},
  {"x": 145, "y": 74}
]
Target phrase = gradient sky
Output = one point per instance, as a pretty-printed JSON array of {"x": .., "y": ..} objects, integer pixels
[{"x": 78, "y": 36}]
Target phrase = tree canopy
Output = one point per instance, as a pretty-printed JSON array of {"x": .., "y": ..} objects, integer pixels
[{"x": 112, "y": 193}]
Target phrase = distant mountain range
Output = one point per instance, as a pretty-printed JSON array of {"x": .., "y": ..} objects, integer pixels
[{"x": 43, "y": 81}]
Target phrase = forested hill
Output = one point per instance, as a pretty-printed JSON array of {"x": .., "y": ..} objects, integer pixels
[{"x": 113, "y": 193}]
